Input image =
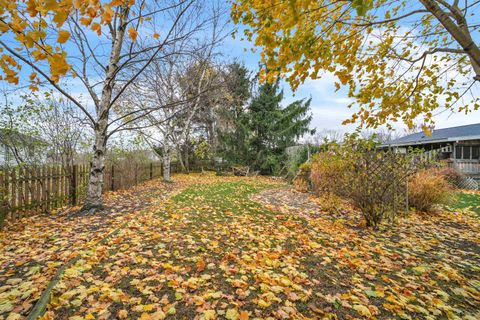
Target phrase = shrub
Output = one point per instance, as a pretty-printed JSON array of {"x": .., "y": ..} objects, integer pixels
[
  {"x": 327, "y": 173},
  {"x": 302, "y": 180},
  {"x": 454, "y": 177},
  {"x": 372, "y": 180},
  {"x": 428, "y": 188},
  {"x": 377, "y": 184},
  {"x": 330, "y": 202}
]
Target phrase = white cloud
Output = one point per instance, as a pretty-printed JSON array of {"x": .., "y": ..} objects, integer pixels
[{"x": 330, "y": 107}]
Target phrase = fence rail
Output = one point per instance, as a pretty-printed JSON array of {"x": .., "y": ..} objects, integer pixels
[
  {"x": 30, "y": 190},
  {"x": 467, "y": 167}
]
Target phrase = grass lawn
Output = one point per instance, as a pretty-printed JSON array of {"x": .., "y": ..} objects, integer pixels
[
  {"x": 211, "y": 252},
  {"x": 468, "y": 200}
]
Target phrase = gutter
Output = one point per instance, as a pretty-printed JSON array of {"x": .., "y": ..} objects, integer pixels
[{"x": 452, "y": 139}]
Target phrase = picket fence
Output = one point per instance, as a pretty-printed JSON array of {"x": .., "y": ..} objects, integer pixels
[
  {"x": 31, "y": 190},
  {"x": 28, "y": 190}
]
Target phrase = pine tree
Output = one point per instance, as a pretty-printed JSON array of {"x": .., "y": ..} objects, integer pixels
[
  {"x": 262, "y": 129},
  {"x": 233, "y": 137},
  {"x": 274, "y": 128}
]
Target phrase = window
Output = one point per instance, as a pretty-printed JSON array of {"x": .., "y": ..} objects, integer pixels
[
  {"x": 476, "y": 152},
  {"x": 466, "y": 152},
  {"x": 458, "y": 152}
]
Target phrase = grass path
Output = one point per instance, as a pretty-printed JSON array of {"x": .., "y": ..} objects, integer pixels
[{"x": 210, "y": 252}]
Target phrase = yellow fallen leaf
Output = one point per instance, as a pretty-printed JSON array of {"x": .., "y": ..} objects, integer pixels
[
  {"x": 122, "y": 314},
  {"x": 420, "y": 270},
  {"x": 209, "y": 314},
  {"x": 232, "y": 314},
  {"x": 145, "y": 316},
  {"x": 148, "y": 307},
  {"x": 159, "y": 315},
  {"x": 263, "y": 304},
  {"x": 362, "y": 310}
]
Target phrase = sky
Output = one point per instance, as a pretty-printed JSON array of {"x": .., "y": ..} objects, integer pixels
[{"x": 329, "y": 108}]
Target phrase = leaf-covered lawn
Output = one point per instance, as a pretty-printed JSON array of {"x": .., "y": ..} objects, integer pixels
[
  {"x": 34, "y": 248},
  {"x": 211, "y": 252}
]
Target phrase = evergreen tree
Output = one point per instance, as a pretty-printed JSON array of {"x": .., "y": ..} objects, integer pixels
[
  {"x": 234, "y": 134},
  {"x": 261, "y": 131},
  {"x": 274, "y": 128},
  {"x": 263, "y": 114}
]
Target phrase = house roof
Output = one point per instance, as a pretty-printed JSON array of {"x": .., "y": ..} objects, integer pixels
[{"x": 467, "y": 132}]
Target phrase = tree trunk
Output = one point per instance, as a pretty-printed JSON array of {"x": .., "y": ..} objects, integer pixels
[
  {"x": 97, "y": 168},
  {"x": 94, "y": 199},
  {"x": 166, "y": 164},
  {"x": 180, "y": 159},
  {"x": 185, "y": 157}
]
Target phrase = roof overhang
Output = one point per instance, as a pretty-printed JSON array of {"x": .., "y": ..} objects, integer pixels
[{"x": 421, "y": 142}]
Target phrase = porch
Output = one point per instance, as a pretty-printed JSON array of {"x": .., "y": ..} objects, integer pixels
[{"x": 466, "y": 157}]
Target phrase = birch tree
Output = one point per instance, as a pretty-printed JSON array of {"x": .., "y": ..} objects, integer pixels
[
  {"x": 90, "y": 43},
  {"x": 157, "y": 91},
  {"x": 398, "y": 60},
  {"x": 172, "y": 89}
]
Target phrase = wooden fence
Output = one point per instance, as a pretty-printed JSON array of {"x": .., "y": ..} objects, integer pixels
[
  {"x": 468, "y": 167},
  {"x": 30, "y": 190}
]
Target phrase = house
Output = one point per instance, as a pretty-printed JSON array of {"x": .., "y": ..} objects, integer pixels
[{"x": 460, "y": 146}]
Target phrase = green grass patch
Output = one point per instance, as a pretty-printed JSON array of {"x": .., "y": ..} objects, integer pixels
[
  {"x": 466, "y": 200},
  {"x": 231, "y": 196}
]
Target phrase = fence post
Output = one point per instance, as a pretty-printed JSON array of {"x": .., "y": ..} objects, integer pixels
[
  {"x": 3, "y": 197},
  {"x": 136, "y": 173},
  {"x": 112, "y": 178},
  {"x": 73, "y": 184},
  {"x": 14, "y": 201},
  {"x": 151, "y": 170}
]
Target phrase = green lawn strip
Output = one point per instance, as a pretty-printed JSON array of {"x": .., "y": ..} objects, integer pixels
[
  {"x": 223, "y": 196},
  {"x": 467, "y": 201}
]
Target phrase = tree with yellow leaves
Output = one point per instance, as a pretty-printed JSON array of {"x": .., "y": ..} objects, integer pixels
[
  {"x": 93, "y": 43},
  {"x": 399, "y": 59}
]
